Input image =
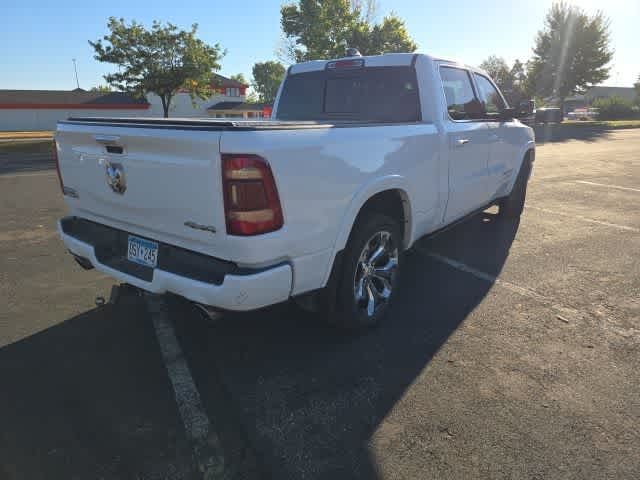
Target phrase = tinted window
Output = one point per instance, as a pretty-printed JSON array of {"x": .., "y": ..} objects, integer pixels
[
  {"x": 462, "y": 103},
  {"x": 491, "y": 99},
  {"x": 301, "y": 97},
  {"x": 380, "y": 94}
]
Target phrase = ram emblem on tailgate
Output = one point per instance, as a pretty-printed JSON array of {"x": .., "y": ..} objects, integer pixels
[{"x": 115, "y": 177}]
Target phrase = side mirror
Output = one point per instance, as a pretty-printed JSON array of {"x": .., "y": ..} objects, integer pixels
[
  {"x": 526, "y": 108},
  {"x": 508, "y": 114}
]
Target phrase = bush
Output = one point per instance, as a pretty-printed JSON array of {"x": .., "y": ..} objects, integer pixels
[{"x": 615, "y": 108}]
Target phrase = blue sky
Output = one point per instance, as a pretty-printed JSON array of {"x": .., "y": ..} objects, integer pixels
[{"x": 39, "y": 38}]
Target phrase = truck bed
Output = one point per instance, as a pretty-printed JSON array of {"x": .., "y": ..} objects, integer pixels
[{"x": 213, "y": 124}]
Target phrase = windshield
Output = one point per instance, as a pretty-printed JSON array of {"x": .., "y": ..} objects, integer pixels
[{"x": 376, "y": 94}]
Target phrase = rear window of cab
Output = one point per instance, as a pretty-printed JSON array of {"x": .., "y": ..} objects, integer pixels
[{"x": 369, "y": 94}]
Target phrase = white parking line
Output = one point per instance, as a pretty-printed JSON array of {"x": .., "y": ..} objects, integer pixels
[
  {"x": 525, "y": 292},
  {"x": 565, "y": 313},
  {"x": 585, "y": 219},
  {"x": 489, "y": 278},
  {"x": 206, "y": 444},
  {"x": 617, "y": 187}
]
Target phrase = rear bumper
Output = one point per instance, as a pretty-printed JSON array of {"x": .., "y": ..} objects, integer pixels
[{"x": 246, "y": 291}]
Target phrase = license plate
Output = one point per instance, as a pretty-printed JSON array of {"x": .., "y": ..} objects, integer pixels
[{"x": 143, "y": 252}]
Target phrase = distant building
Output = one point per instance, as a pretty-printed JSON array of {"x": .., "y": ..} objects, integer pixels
[
  {"x": 594, "y": 93},
  {"x": 239, "y": 110},
  {"x": 226, "y": 101},
  {"x": 29, "y": 110}
]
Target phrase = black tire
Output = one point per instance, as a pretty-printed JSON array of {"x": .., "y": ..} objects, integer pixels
[
  {"x": 379, "y": 274},
  {"x": 512, "y": 206}
]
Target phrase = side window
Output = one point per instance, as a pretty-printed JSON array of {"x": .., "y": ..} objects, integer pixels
[
  {"x": 491, "y": 99},
  {"x": 462, "y": 102}
]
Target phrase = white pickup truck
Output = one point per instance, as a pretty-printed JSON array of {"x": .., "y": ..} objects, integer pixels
[{"x": 363, "y": 156}]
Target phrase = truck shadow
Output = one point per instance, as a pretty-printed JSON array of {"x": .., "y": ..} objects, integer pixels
[
  {"x": 310, "y": 398},
  {"x": 554, "y": 133},
  {"x": 23, "y": 163},
  {"x": 89, "y": 398}
]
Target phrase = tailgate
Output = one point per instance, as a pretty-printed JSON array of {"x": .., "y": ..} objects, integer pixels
[{"x": 158, "y": 182}]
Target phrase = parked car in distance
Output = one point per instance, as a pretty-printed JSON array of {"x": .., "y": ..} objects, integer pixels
[
  {"x": 365, "y": 155},
  {"x": 548, "y": 115},
  {"x": 583, "y": 114}
]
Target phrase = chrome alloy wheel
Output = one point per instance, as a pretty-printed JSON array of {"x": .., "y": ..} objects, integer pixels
[{"x": 374, "y": 277}]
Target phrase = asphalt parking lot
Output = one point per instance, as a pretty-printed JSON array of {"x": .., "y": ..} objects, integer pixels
[{"x": 512, "y": 351}]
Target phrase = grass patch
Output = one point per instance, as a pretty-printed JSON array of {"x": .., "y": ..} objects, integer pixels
[
  {"x": 610, "y": 124},
  {"x": 26, "y": 146},
  {"x": 23, "y": 135}
]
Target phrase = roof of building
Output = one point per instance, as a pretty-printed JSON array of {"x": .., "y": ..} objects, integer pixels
[
  {"x": 67, "y": 98},
  {"x": 221, "y": 81},
  {"x": 239, "y": 106}
]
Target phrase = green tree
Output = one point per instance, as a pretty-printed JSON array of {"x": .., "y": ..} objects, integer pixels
[
  {"x": 252, "y": 97},
  {"x": 637, "y": 87},
  {"x": 510, "y": 81},
  {"x": 239, "y": 77},
  {"x": 366, "y": 8},
  {"x": 321, "y": 29},
  {"x": 101, "y": 89},
  {"x": 571, "y": 53},
  {"x": 267, "y": 77},
  {"x": 518, "y": 73},
  {"x": 499, "y": 71},
  {"x": 389, "y": 36},
  {"x": 614, "y": 108},
  {"x": 159, "y": 60}
]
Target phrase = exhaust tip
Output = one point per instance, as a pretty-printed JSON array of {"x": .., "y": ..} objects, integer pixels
[
  {"x": 83, "y": 262},
  {"x": 209, "y": 312}
]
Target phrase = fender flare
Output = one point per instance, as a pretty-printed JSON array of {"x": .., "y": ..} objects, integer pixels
[
  {"x": 368, "y": 190},
  {"x": 529, "y": 146}
]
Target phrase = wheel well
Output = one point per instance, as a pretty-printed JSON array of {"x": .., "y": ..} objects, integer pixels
[
  {"x": 529, "y": 155},
  {"x": 393, "y": 203}
]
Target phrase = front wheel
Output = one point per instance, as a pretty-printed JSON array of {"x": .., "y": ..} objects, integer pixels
[
  {"x": 513, "y": 205},
  {"x": 370, "y": 270}
]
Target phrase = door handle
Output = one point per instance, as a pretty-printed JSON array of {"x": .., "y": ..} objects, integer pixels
[
  {"x": 104, "y": 139},
  {"x": 461, "y": 142}
]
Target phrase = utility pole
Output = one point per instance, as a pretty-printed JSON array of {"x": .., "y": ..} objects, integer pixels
[{"x": 75, "y": 68}]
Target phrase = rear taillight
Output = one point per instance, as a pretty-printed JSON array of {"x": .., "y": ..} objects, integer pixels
[
  {"x": 55, "y": 158},
  {"x": 251, "y": 201}
]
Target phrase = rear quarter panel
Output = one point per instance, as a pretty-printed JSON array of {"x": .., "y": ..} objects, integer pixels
[{"x": 325, "y": 175}]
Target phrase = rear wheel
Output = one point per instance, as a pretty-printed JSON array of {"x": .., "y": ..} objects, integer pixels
[
  {"x": 369, "y": 274},
  {"x": 513, "y": 205}
]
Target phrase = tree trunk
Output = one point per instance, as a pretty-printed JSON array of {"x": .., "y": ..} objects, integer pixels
[
  {"x": 561, "y": 109},
  {"x": 165, "y": 105}
]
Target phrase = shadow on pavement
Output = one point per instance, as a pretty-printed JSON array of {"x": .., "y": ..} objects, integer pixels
[
  {"x": 25, "y": 162},
  {"x": 310, "y": 398},
  {"x": 89, "y": 398},
  {"x": 551, "y": 133}
]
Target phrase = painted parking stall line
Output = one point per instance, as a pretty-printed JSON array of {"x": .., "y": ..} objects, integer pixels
[
  {"x": 207, "y": 449},
  {"x": 525, "y": 292},
  {"x": 565, "y": 313},
  {"x": 616, "y": 187},
  {"x": 585, "y": 219}
]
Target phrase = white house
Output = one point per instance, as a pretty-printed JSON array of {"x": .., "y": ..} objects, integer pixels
[{"x": 227, "y": 101}]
